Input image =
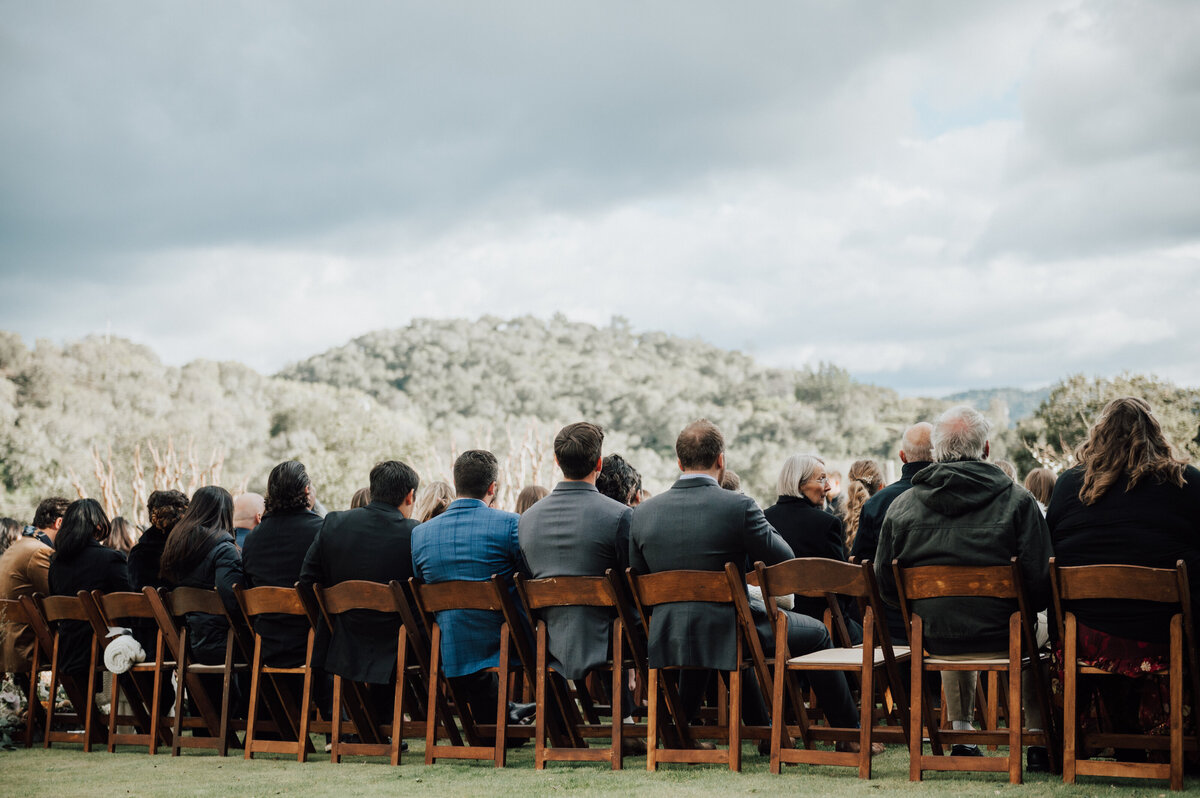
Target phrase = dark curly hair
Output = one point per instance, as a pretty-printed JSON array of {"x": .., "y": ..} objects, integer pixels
[
  {"x": 286, "y": 487},
  {"x": 165, "y": 508},
  {"x": 618, "y": 479}
]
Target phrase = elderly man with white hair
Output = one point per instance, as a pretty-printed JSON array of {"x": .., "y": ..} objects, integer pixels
[{"x": 962, "y": 510}]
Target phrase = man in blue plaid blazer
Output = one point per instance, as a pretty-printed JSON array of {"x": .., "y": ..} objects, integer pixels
[{"x": 470, "y": 541}]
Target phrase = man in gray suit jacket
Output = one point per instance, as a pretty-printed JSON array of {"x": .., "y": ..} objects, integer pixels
[
  {"x": 576, "y": 531},
  {"x": 696, "y": 525}
]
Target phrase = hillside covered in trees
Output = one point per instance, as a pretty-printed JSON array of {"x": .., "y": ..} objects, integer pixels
[{"x": 107, "y": 416}]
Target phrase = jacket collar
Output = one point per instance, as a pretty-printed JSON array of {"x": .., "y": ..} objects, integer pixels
[
  {"x": 909, "y": 469},
  {"x": 566, "y": 485},
  {"x": 801, "y": 501},
  {"x": 697, "y": 481}
]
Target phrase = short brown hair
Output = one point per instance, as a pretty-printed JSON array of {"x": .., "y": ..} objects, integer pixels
[
  {"x": 1040, "y": 482},
  {"x": 699, "y": 445},
  {"x": 48, "y": 511},
  {"x": 474, "y": 471},
  {"x": 577, "y": 449}
]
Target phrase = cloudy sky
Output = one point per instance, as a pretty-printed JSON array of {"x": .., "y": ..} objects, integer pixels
[{"x": 933, "y": 195}]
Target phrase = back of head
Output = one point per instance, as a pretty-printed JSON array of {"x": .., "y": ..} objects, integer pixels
[
  {"x": 122, "y": 536},
  {"x": 960, "y": 433},
  {"x": 1040, "y": 482},
  {"x": 84, "y": 521},
  {"x": 209, "y": 518},
  {"x": 577, "y": 449},
  {"x": 619, "y": 480},
  {"x": 1126, "y": 440},
  {"x": 10, "y": 530},
  {"x": 699, "y": 445},
  {"x": 1008, "y": 468},
  {"x": 392, "y": 481},
  {"x": 529, "y": 496},
  {"x": 797, "y": 469},
  {"x": 916, "y": 445},
  {"x": 287, "y": 488},
  {"x": 165, "y": 508},
  {"x": 48, "y": 511},
  {"x": 731, "y": 481},
  {"x": 865, "y": 478},
  {"x": 474, "y": 472},
  {"x": 361, "y": 498},
  {"x": 433, "y": 501}
]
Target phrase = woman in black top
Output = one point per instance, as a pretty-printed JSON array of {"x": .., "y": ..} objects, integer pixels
[
  {"x": 201, "y": 552},
  {"x": 1130, "y": 501},
  {"x": 80, "y": 562},
  {"x": 798, "y": 516},
  {"x": 165, "y": 507}
]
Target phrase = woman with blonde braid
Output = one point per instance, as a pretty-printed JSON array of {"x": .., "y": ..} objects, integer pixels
[{"x": 863, "y": 480}]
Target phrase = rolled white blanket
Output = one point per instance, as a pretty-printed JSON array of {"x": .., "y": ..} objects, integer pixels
[
  {"x": 122, "y": 651},
  {"x": 785, "y": 602}
]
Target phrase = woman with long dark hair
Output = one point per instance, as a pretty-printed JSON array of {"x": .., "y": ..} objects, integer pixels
[
  {"x": 1130, "y": 501},
  {"x": 81, "y": 562},
  {"x": 201, "y": 552}
]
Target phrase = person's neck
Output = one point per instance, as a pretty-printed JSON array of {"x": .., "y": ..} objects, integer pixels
[
  {"x": 715, "y": 473},
  {"x": 590, "y": 479},
  {"x": 49, "y": 532}
]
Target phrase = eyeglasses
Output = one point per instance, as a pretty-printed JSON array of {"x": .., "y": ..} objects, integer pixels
[{"x": 821, "y": 480}]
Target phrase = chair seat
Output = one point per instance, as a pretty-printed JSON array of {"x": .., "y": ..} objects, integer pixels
[{"x": 834, "y": 657}]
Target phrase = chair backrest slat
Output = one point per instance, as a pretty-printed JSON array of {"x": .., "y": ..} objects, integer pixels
[
  {"x": 938, "y": 581},
  {"x": 816, "y": 576},
  {"x": 356, "y": 595},
  {"x": 13, "y": 611},
  {"x": 117, "y": 606},
  {"x": 669, "y": 587},
  {"x": 183, "y": 600},
  {"x": 277, "y": 600},
  {"x": 63, "y": 608},
  {"x": 1118, "y": 582},
  {"x": 568, "y": 591},
  {"x": 458, "y": 595}
]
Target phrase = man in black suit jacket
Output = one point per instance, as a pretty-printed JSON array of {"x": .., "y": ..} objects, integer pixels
[
  {"x": 274, "y": 554},
  {"x": 373, "y": 543},
  {"x": 576, "y": 531},
  {"x": 696, "y": 525}
]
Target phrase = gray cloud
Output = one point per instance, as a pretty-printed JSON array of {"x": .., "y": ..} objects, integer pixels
[{"x": 932, "y": 195}]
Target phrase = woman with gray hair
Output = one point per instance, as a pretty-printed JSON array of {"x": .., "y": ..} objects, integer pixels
[{"x": 798, "y": 516}]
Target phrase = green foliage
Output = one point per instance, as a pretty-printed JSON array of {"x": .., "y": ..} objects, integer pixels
[{"x": 1062, "y": 420}]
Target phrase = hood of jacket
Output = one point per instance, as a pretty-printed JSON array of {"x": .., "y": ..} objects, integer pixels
[{"x": 954, "y": 489}]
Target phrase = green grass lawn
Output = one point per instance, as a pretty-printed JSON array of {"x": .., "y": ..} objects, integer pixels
[{"x": 66, "y": 772}]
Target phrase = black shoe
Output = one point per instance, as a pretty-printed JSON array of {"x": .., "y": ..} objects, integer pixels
[
  {"x": 965, "y": 750},
  {"x": 520, "y": 713},
  {"x": 764, "y": 747},
  {"x": 1037, "y": 759}
]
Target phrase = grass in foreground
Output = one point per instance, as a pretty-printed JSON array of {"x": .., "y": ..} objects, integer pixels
[{"x": 65, "y": 772}]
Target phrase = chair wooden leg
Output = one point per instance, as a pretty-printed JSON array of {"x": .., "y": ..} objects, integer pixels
[
  {"x": 1070, "y": 699},
  {"x": 335, "y": 748},
  {"x": 1015, "y": 759},
  {"x": 398, "y": 703},
  {"x": 177, "y": 723},
  {"x": 778, "y": 719},
  {"x": 255, "y": 686},
  {"x": 539, "y": 690},
  {"x": 434, "y": 685},
  {"x": 735, "y": 716},
  {"x": 652, "y": 719},
  {"x": 114, "y": 701},
  {"x": 916, "y": 693},
  {"x": 618, "y": 691},
  {"x": 1176, "y": 687},
  {"x": 302, "y": 732},
  {"x": 866, "y": 714},
  {"x": 502, "y": 698},
  {"x": 90, "y": 702}
]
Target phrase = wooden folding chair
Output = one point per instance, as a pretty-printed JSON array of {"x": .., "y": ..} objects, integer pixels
[
  {"x": 13, "y": 614},
  {"x": 1126, "y": 583},
  {"x": 114, "y": 609},
  {"x": 418, "y": 683},
  {"x": 276, "y": 601},
  {"x": 51, "y": 612},
  {"x": 712, "y": 587},
  {"x": 577, "y": 591},
  {"x": 952, "y": 581},
  {"x": 491, "y": 596},
  {"x": 379, "y": 598},
  {"x": 212, "y": 727},
  {"x": 816, "y": 577}
]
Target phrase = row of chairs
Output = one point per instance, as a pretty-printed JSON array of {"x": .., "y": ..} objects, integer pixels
[{"x": 565, "y": 719}]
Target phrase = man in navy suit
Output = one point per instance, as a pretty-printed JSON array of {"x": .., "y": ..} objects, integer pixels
[{"x": 470, "y": 541}]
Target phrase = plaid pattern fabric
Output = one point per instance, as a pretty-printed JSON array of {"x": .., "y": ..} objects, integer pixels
[{"x": 469, "y": 541}]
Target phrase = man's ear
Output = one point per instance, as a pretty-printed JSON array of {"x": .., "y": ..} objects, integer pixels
[
  {"x": 679, "y": 463},
  {"x": 599, "y": 464},
  {"x": 409, "y": 498},
  {"x": 987, "y": 448},
  {"x": 58, "y": 523},
  {"x": 721, "y": 461},
  {"x": 491, "y": 491},
  {"x": 903, "y": 457}
]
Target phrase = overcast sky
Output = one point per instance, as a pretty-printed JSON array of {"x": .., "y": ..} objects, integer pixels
[{"x": 934, "y": 195}]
